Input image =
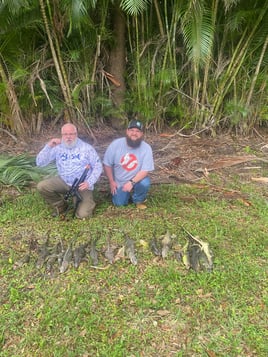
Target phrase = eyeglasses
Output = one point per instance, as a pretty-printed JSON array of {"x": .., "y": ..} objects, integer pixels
[{"x": 69, "y": 134}]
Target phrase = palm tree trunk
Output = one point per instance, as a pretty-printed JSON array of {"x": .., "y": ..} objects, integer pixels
[
  {"x": 69, "y": 114},
  {"x": 236, "y": 63},
  {"x": 117, "y": 61},
  {"x": 254, "y": 79},
  {"x": 15, "y": 119}
]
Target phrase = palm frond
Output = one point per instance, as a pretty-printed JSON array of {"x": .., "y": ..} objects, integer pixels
[
  {"x": 16, "y": 177},
  {"x": 134, "y": 7},
  {"x": 198, "y": 33},
  {"x": 21, "y": 171}
]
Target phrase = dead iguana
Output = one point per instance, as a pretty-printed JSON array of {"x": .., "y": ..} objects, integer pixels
[{"x": 196, "y": 254}]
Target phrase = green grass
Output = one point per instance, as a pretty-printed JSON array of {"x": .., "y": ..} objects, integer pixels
[{"x": 156, "y": 308}]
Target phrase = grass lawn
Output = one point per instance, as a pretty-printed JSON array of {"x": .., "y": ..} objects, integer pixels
[{"x": 155, "y": 308}]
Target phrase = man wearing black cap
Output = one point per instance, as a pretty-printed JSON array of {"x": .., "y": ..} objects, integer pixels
[{"x": 127, "y": 163}]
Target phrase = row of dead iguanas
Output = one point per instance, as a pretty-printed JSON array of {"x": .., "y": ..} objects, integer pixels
[{"x": 195, "y": 254}]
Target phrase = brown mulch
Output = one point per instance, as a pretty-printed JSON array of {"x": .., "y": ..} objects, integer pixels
[{"x": 178, "y": 158}]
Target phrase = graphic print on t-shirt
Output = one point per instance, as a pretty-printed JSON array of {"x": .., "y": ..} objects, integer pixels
[{"x": 129, "y": 162}]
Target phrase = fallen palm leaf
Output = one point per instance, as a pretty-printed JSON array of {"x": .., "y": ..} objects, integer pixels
[
  {"x": 226, "y": 162},
  {"x": 245, "y": 202},
  {"x": 260, "y": 179}
]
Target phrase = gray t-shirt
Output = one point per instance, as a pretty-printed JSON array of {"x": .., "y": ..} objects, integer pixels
[{"x": 127, "y": 161}]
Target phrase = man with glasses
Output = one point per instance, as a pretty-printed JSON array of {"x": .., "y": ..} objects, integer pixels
[
  {"x": 71, "y": 156},
  {"x": 127, "y": 164}
]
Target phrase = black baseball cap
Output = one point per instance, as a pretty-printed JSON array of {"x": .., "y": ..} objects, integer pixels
[{"x": 135, "y": 124}]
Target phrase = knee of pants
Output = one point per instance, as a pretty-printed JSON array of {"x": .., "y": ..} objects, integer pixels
[
  {"x": 40, "y": 186},
  {"x": 121, "y": 199},
  {"x": 86, "y": 207},
  {"x": 118, "y": 202},
  {"x": 84, "y": 214},
  {"x": 145, "y": 183}
]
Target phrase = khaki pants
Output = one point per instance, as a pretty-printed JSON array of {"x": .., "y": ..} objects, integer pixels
[{"x": 53, "y": 190}]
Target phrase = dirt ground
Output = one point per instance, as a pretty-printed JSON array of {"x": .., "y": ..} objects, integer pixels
[{"x": 178, "y": 157}]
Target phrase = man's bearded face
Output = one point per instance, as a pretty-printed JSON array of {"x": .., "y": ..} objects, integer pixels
[
  {"x": 69, "y": 137},
  {"x": 134, "y": 137}
]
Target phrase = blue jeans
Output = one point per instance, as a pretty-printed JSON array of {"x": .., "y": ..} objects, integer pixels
[{"x": 139, "y": 193}]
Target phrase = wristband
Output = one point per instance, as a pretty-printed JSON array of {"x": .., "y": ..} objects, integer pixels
[{"x": 133, "y": 182}]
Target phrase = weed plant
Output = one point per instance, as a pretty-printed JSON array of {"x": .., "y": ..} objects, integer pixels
[{"x": 156, "y": 308}]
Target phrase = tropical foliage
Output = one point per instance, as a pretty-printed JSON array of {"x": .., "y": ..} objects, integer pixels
[
  {"x": 20, "y": 171},
  {"x": 195, "y": 64}
]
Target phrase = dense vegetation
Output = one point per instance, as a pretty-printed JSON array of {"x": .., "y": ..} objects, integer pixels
[{"x": 194, "y": 64}]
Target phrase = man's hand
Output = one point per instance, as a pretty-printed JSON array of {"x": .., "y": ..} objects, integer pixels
[
  {"x": 83, "y": 186},
  {"x": 54, "y": 142},
  {"x": 113, "y": 187},
  {"x": 128, "y": 186}
]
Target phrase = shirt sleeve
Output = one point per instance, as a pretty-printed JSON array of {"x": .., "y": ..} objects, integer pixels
[
  {"x": 108, "y": 155},
  {"x": 45, "y": 156},
  {"x": 148, "y": 161},
  {"x": 96, "y": 168}
]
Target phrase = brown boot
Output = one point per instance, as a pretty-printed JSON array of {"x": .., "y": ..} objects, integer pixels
[{"x": 141, "y": 205}]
